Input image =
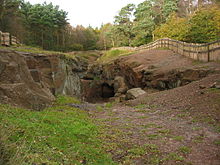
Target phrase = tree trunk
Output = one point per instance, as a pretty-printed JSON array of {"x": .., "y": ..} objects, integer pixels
[
  {"x": 113, "y": 43},
  {"x": 57, "y": 38},
  {"x": 42, "y": 39},
  {"x": 105, "y": 47},
  {"x": 63, "y": 38}
]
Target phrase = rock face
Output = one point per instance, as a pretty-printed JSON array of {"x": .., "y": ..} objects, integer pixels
[
  {"x": 156, "y": 69},
  {"x": 32, "y": 80},
  {"x": 120, "y": 86},
  {"x": 134, "y": 93}
]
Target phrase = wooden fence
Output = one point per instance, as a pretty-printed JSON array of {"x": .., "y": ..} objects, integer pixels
[
  {"x": 7, "y": 40},
  {"x": 202, "y": 52}
]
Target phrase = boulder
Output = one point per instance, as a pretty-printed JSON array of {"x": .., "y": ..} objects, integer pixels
[
  {"x": 134, "y": 93},
  {"x": 216, "y": 85}
]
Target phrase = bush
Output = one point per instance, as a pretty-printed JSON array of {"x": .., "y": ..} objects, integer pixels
[
  {"x": 204, "y": 26},
  {"x": 201, "y": 27},
  {"x": 175, "y": 28}
]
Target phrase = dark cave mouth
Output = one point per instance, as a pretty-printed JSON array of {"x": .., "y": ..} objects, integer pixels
[{"x": 107, "y": 91}]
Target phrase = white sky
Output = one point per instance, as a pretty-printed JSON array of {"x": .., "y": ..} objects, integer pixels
[{"x": 90, "y": 12}]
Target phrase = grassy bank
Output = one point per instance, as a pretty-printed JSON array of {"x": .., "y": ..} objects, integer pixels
[
  {"x": 111, "y": 55},
  {"x": 57, "y": 135}
]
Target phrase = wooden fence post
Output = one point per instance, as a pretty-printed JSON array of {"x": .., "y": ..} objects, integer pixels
[
  {"x": 0, "y": 37},
  {"x": 183, "y": 50}
]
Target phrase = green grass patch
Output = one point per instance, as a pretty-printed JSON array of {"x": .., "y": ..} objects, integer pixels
[
  {"x": 113, "y": 54},
  {"x": 214, "y": 90},
  {"x": 174, "y": 156},
  {"x": 137, "y": 151},
  {"x": 217, "y": 128},
  {"x": 63, "y": 100},
  {"x": 217, "y": 142},
  {"x": 37, "y": 50},
  {"x": 196, "y": 62},
  {"x": 153, "y": 136},
  {"x": 109, "y": 105},
  {"x": 185, "y": 149},
  {"x": 140, "y": 106},
  {"x": 99, "y": 108},
  {"x": 164, "y": 131},
  {"x": 151, "y": 148},
  {"x": 57, "y": 135},
  {"x": 178, "y": 138},
  {"x": 198, "y": 139},
  {"x": 150, "y": 125}
]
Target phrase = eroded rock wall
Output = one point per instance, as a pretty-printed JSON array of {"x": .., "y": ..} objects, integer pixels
[
  {"x": 31, "y": 80},
  {"x": 144, "y": 71}
]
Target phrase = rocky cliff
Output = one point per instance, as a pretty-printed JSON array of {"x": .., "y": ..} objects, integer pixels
[{"x": 31, "y": 80}]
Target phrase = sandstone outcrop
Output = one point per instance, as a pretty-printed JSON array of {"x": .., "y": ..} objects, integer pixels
[
  {"x": 155, "y": 69},
  {"x": 31, "y": 80}
]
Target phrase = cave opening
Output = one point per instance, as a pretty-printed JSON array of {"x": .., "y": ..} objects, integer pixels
[{"x": 107, "y": 91}]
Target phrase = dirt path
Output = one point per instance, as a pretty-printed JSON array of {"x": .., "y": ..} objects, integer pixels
[{"x": 178, "y": 126}]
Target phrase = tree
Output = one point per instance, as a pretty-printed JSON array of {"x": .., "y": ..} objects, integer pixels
[
  {"x": 9, "y": 15},
  {"x": 43, "y": 22},
  {"x": 175, "y": 28},
  {"x": 204, "y": 26},
  {"x": 169, "y": 6},
  {"x": 124, "y": 25},
  {"x": 106, "y": 39},
  {"x": 144, "y": 23}
]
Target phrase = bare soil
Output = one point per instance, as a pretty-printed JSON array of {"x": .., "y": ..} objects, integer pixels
[
  {"x": 165, "y": 60},
  {"x": 177, "y": 126}
]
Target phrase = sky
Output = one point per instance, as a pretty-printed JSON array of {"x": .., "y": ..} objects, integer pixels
[{"x": 90, "y": 12}]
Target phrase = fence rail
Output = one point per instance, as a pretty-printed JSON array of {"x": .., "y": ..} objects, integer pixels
[
  {"x": 202, "y": 52},
  {"x": 7, "y": 40}
]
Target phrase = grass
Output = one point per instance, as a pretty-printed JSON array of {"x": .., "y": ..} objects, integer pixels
[
  {"x": 164, "y": 131},
  {"x": 217, "y": 142},
  {"x": 37, "y": 50},
  {"x": 198, "y": 139},
  {"x": 84, "y": 55},
  {"x": 185, "y": 149},
  {"x": 99, "y": 108},
  {"x": 137, "y": 151},
  {"x": 140, "y": 106},
  {"x": 149, "y": 125},
  {"x": 63, "y": 100},
  {"x": 113, "y": 54},
  {"x": 153, "y": 136},
  {"x": 213, "y": 90},
  {"x": 109, "y": 105},
  {"x": 57, "y": 135},
  {"x": 178, "y": 138},
  {"x": 174, "y": 156},
  {"x": 196, "y": 62}
]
